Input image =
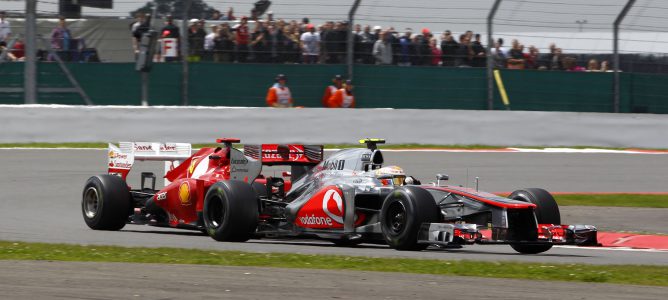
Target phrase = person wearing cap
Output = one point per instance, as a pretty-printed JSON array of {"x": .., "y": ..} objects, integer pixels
[
  {"x": 376, "y": 35},
  {"x": 382, "y": 49},
  {"x": 279, "y": 94},
  {"x": 5, "y": 28},
  {"x": 423, "y": 48},
  {"x": 209, "y": 41},
  {"x": 196, "y": 37},
  {"x": 343, "y": 98},
  {"x": 310, "y": 45},
  {"x": 331, "y": 89}
]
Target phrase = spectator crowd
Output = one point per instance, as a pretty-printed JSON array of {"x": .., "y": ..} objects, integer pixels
[
  {"x": 270, "y": 40},
  {"x": 252, "y": 40}
]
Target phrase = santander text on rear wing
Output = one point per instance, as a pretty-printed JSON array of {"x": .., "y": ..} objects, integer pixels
[
  {"x": 121, "y": 158},
  {"x": 285, "y": 154}
]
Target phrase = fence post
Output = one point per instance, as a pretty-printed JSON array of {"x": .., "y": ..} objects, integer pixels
[
  {"x": 185, "y": 73},
  {"x": 490, "y": 58},
  {"x": 615, "y": 50},
  {"x": 30, "y": 67},
  {"x": 350, "y": 51}
]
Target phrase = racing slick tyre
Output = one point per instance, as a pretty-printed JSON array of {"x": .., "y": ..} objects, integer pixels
[
  {"x": 106, "y": 203},
  {"x": 260, "y": 189},
  {"x": 402, "y": 215},
  {"x": 547, "y": 212},
  {"x": 230, "y": 211}
]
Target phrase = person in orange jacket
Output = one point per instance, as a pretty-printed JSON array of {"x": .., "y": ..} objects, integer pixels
[
  {"x": 343, "y": 98},
  {"x": 279, "y": 94},
  {"x": 331, "y": 89}
]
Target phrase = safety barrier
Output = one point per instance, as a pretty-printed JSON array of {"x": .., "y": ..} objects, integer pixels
[
  {"x": 29, "y": 123},
  {"x": 375, "y": 86}
]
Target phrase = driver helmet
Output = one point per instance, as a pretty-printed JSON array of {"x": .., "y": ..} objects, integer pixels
[{"x": 391, "y": 175}]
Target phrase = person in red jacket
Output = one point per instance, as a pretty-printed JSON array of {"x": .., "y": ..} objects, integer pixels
[
  {"x": 331, "y": 89},
  {"x": 343, "y": 98},
  {"x": 279, "y": 94}
]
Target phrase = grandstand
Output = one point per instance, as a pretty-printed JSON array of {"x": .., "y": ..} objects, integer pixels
[{"x": 581, "y": 29}]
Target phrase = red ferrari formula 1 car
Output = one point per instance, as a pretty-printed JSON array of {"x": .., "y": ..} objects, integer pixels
[{"x": 348, "y": 198}]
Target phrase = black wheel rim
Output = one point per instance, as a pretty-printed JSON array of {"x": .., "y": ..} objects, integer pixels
[
  {"x": 216, "y": 212},
  {"x": 396, "y": 217}
]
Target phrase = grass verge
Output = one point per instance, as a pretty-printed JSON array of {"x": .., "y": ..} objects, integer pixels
[
  {"x": 619, "y": 274},
  {"x": 619, "y": 200}
]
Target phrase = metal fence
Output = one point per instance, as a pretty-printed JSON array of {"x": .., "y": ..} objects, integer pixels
[{"x": 564, "y": 35}]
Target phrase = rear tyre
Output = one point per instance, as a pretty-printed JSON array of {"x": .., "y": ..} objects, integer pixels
[
  {"x": 547, "y": 212},
  {"x": 106, "y": 202},
  {"x": 260, "y": 189},
  {"x": 402, "y": 215},
  {"x": 230, "y": 211}
]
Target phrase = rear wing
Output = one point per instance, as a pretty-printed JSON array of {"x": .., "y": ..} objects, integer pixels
[
  {"x": 285, "y": 154},
  {"x": 121, "y": 158}
]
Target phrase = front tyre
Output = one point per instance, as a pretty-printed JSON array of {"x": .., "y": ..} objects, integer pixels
[
  {"x": 230, "y": 211},
  {"x": 547, "y": 212},
  {"x": 106, "y": 202},
  {"x": 402, "y": 215}
]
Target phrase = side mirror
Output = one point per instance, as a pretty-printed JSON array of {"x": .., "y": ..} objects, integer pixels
[
  {"x": 440, "y": 177},
  {"x": 377, "y": 157}
]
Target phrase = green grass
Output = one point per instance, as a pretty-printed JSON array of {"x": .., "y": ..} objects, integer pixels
[
  {"x": 619, "y": 274},
  {"x": 619, "y": 200},
  {"x": 53, "y": 145},
  {"x": 327, "y": 146}
]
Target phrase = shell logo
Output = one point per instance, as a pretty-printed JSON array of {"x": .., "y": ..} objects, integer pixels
[
  {"x": 193, "y": 164},
  {"x": 112, "y": 154},
  {"x": 184, "y": 193}
]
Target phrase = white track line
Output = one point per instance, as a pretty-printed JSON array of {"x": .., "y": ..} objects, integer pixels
[{"x": 615, "y": 249}]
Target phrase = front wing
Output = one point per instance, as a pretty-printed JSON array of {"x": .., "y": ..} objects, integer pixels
[{"x": 461, "y": 234}]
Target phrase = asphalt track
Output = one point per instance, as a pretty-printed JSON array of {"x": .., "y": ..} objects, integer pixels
[
  {"x": 41, "y": 190},
  {"x": 76, "y": 280}
]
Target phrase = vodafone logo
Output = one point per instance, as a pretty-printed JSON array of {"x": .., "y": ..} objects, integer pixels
[
  {"x": 329, "y": 196},
  {"x": 313, "y": 220},
  {"x": 324, "y": 210}
]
